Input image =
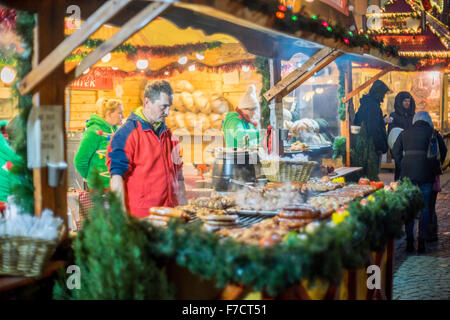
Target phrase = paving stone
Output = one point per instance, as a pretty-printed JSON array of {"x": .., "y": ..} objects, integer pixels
[{"x": 425, "y": 276}]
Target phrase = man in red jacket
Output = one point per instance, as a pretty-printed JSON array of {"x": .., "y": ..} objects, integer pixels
[{"x": 144, "y": 157}]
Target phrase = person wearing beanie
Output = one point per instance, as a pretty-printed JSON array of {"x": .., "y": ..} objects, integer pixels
[
  {"x": 420, "y": 150},
  {"x": 371, "y": 115},
  {"x": 92, "y": 149},
  {"x": 242, "y": 122}
]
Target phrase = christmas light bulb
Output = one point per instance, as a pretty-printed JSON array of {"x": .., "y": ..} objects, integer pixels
[
  {"x": 8, "y": 75},
  {"x": 183, "y": 60},
  {"x": 106, "y": 58},
  {"x": 142, "y": 64}
]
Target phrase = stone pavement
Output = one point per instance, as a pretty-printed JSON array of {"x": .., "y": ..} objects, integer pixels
[{"x": 425, "y": 276}]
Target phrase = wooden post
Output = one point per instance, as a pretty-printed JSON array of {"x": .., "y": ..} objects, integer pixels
[
  {"x": 389, "y": 269},
  {"x": 348, "y": 88},
  {"x": 51, "y": 92},
  {"x": 277, "y": 116},
  {"x": 444, "y": 103}
]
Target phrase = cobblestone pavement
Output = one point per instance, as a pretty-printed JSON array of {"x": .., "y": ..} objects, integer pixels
[{"x": 425, "y": 276}]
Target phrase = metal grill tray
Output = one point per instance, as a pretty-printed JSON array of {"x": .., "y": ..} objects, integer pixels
[{"x": 245, "y": 220}]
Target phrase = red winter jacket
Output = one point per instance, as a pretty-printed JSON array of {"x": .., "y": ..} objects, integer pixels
[{"x": 149, "y": 162}]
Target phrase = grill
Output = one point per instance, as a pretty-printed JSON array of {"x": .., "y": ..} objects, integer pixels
[{"x": 245, "y": 220}]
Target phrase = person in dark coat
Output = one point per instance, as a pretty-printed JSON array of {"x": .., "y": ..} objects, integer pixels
[
  {"x": 370, "y": 113},
  {"x": 402, "y": 117},
  {"x": 411, "y": 150}
]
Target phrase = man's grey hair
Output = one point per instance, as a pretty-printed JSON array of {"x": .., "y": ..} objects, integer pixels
[
  {"x": 153, "y": 89},
  {"x": 424, "y": 116}
]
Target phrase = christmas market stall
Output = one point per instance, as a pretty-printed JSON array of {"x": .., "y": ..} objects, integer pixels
[
  {"x": 411, "y": 27},
  {"x": 285, "y": 236}
]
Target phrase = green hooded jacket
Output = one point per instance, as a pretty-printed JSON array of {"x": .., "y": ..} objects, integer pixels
[
  {"x": 7, "y": 179},
  {"x": 92, "y": 150},
  {"x": 234, "y": 130}
]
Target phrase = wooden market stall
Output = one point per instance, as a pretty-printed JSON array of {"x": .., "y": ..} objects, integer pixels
[
  {"x": 256, "y": 28},
  {"x": 418, "y": 34}
]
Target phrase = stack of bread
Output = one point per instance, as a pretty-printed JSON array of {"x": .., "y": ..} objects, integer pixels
[
  {"x": 160, "y": 216},
  {"x": 194, "y": 106}
]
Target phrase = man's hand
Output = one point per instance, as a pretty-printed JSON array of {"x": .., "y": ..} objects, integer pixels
[
  {"x": 388, "y": 119},
  {"x": 117, "y": 188}
]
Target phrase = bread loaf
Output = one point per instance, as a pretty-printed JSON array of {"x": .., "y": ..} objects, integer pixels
[
  {"x": 189, "y": 119},
  {"x": 179, "y": 120},
  {"x": 216, "y": 121},
  {"x": 184, "y": 85},
  {"x": 178, "y": 102},
  {"x": 201, "y": 102},
  {"x": 188, "y": 102},
  {"x": 203, "y": 119},
  {"x": 219, "y": 104}
]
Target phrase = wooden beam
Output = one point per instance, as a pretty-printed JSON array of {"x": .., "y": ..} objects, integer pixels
[
  {"x": 65, "y": 48},
  {"x": 314, "y": 64},
  {"x": 50, "y": 32},
  {"x": 444, "y": 103},
  {"x": 131, "y": 27},
  {"x": 366, "y": 84},
  {"x": 278, "y": 86}
]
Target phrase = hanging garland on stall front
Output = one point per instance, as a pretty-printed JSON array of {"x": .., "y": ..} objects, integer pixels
[
  {"x": 341, "y": 93},
  {"x": 170, "y": 70},
  {"x": 146, "y": 52}
]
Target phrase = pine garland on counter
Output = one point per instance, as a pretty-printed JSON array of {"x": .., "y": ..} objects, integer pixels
[
  {"x": 323, "y": 253},
  {"x": 112, "y": 253}
]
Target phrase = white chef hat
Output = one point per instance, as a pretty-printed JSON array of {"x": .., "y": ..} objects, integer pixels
[{"x": 249, "y": 100}]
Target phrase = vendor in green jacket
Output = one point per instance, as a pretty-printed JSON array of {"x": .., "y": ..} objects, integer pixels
[
  {"x": 99, "y": 129},
  {"x": 240, "y": 127},
  {"x": 8, "y": 158}
]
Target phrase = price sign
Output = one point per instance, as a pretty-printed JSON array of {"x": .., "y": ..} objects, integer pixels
[{"x": 45, "y": 140}]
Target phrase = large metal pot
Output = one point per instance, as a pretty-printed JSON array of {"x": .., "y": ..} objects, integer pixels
[{"x": 233, "y": 168}]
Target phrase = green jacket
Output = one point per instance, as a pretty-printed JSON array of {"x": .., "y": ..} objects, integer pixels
[
  {"x": 7, "y": 179},
  {"x": 92, "y": 150},
  {"x": 234, "y": 130}
]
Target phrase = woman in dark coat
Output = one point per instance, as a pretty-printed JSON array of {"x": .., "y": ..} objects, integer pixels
[
  {"x": 411, "y": 150},
  {"x": 402, "y": 117}
]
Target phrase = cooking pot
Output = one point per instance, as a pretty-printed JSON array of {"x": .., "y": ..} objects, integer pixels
[{"x": 233, "y": 168}]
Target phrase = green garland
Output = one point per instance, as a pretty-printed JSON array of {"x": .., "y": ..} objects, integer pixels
[
  {"x": 294, "y": 22},
  {"x": 340, "y": 148},
  {"x": 262, "y": 67},
  {"x": 341, "y": 93},
  {"x": 112, "y": 253},
  {"x": 321, "y": 254},
  {"x": 24, "y": 191},
  {"x": 158, "y": 51}
]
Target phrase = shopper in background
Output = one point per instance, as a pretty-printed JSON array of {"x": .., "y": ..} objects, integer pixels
[
  {"x": 99, "y": 129},
  {"x": 144, "y": 158},
  {"x": 420, "y": 150},
  {"x": 371, "y": 115},
  {"x": 402, "y": 117}
]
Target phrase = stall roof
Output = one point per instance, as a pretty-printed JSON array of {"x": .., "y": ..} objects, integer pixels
[{"x": 263, "y": 36}]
